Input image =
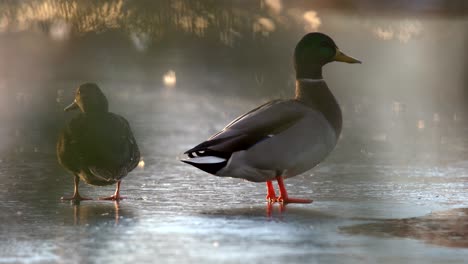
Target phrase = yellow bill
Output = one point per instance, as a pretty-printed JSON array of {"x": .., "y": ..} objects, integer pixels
[{"x": 340, "y": 56}]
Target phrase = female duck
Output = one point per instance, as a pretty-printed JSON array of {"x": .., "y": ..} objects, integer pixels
[
  {"x": 281, "y": 138},
  {"x": 97, "y": 146}
]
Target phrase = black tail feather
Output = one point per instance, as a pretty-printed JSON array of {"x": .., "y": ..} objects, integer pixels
[{"x": 212, "y": 168}]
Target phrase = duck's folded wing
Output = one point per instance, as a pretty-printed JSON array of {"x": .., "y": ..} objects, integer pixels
[
  {"x": 131, "y": 160},
  {"x": 118, "y": 168},
  {"x": 68, "y": 152},
  {"x": 247, "y": 130},
  {"x": 120, "y": 153}
]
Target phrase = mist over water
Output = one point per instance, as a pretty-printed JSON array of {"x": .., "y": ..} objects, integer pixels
[
  {"x": 410, "y": 86},
  {"x": 179, "y": 71}
]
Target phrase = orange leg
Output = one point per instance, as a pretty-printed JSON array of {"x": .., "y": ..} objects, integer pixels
[
  {"x": 76, "y": 194},
  {"x": 116, "y": 196},
  {"x": 284, "y": 198},
  {"x": 271, "y": 195}
]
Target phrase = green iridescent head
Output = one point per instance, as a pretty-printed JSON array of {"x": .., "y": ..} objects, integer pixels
[{"x": 315, "y": 50}]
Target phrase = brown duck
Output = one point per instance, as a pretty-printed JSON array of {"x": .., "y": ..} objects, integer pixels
[{"x": 97, "y": 146}]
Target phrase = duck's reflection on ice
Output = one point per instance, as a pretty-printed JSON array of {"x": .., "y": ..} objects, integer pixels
[
  {"x": 85, "y": 214},
  {"x": 269, "y": 208},
  {"x": 275, "y": 211},
  {"x": 278, "y": 209}
]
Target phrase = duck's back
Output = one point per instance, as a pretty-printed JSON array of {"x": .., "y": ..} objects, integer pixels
[{"x": 99, "y": 144}]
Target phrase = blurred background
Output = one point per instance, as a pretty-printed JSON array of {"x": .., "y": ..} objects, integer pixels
[
  {"x": 407, "y": 99},
  {"x": 180, "y": 70}
]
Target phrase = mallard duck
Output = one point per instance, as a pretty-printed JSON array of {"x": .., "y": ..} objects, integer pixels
[
  {"x": 97, "y": 146},
  {"x": 282, "y": 138}
]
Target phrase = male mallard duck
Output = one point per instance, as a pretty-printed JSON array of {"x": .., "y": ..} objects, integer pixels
[
  {"x": 97, "y": 146},
  {"x": 282, "y": 138}
]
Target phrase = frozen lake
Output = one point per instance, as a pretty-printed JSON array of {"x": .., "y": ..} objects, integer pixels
[
  {"x": 395, "y": 190},
  {"x": 177, "y": 214}
]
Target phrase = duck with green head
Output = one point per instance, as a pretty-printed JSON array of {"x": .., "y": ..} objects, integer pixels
[
  {"x": 97, "y": 147},
  {"x": 282, "y": 138}
]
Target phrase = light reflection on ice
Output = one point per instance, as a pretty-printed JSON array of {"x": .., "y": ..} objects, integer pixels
[{"x": 39, "y": 251}]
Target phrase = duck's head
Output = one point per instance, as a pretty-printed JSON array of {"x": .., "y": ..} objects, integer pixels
[
  {"x": 315, "y": 50},
  {"x": 89, "y": 98}
]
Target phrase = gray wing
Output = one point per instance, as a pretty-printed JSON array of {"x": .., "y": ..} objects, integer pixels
[{"x": 249, "y": 129}]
